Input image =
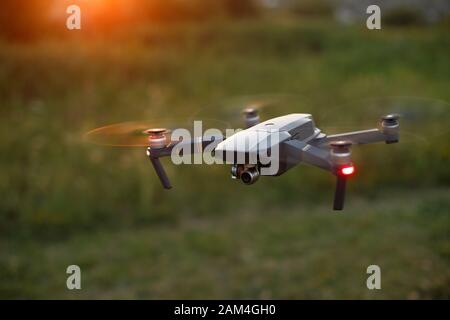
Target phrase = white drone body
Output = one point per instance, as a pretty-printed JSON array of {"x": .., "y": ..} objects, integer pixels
[{"x": 261, "y": 140}]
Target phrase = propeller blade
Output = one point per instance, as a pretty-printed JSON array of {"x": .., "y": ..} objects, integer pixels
[
  {"x": 268, "y": 105},
  {"x": 339, "y": 194},
  {"x": 162, "y": 175},
  {"x": 422, "y": 120},
  {"x": 136, "y": 133}
]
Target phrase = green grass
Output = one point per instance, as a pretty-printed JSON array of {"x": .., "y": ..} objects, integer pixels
[
  {"x": 66, "y": 202},
  {"x": 294, "y": 253}
]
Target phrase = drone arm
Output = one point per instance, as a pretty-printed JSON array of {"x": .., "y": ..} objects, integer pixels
[
  {"x": 193, "y": 146},
  {"x": 196, "y": 145},
  {"x": 298, "y": 151},
  {"x": 357, "y": 137},
  {"x": 389, "y": 133},
  {"x": 301, "y": 152}
]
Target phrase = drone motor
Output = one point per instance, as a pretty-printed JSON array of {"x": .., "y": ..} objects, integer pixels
[
  {"x": 390, "y": 127},
  {"x": 340, "y": 152},
  {"x": 251, "y": 117},
  {"x": 157, "y": 138}
]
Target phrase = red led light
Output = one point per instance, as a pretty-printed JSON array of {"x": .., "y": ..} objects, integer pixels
[{"x": 348, "y": 170}]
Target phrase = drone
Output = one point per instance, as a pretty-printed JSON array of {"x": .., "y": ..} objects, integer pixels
[{"x": 298, "y": 141}]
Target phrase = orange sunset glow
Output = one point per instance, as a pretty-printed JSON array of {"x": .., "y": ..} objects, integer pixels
[{"x": 99, "y": 13}]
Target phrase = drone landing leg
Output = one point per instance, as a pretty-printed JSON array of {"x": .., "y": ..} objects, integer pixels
[
  {"x": 160, "y": 172},
  {"x": 339, "y": 195}
]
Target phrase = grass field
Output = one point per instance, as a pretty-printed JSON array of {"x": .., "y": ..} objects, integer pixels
[{"x": 64, "y": 201}]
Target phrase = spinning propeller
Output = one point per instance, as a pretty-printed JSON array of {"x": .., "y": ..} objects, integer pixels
[
  {"x": 158, "y": 140},
  {"x": 246, "y": 111},
  {"x": 423, "y": 120}
]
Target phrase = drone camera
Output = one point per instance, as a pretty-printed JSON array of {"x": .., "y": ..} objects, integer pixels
[{"x": 250, "y": 175}]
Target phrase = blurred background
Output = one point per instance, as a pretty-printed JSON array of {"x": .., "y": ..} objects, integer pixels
[{"x": 65, "y": 201}]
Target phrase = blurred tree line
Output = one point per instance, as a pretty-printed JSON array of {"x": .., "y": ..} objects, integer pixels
[{"x": 32, "y": 19}]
